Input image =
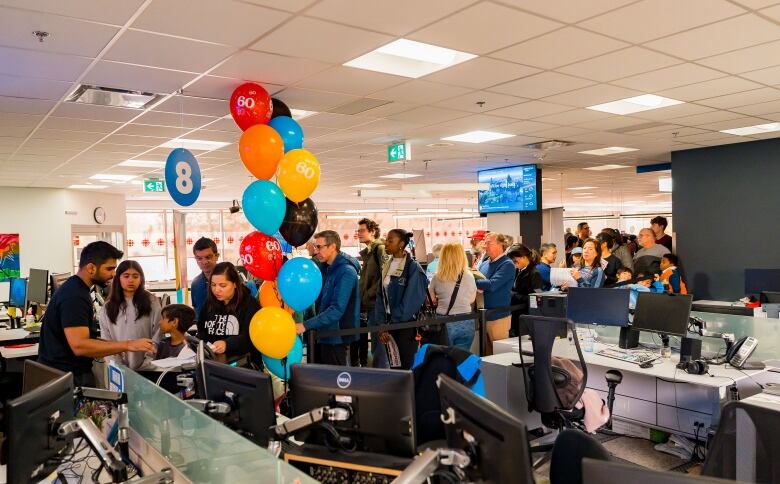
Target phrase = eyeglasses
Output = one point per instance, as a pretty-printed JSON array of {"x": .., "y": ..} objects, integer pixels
[{"x": 320, "y": 247}]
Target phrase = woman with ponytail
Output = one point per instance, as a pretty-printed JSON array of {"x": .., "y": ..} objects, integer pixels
[{"x": 527, "y": 281}]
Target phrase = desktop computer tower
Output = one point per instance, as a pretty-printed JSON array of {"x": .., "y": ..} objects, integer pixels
[
  {"x": 629, "y": 338},
  {"x": 690, "y": 349}
]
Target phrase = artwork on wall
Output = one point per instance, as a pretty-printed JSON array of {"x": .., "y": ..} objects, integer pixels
[{"x": 9, "y": 256}]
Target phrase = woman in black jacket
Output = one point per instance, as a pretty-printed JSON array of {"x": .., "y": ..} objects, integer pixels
[
  {"x": 527, "y": 281},
  {"x": 224, "y": 320}
]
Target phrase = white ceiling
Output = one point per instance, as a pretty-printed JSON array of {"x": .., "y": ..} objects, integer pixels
[{"x": 540, "y": 64}]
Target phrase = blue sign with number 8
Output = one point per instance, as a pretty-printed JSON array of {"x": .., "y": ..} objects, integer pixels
[{"x": 182, "y": 177}]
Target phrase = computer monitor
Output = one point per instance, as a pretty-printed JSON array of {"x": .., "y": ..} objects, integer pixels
[
  {"x": 249, "y": 394},
  {"x": 37, "y": 374},
  {"x": 769, "y": 297},
  {"x": 18, "y": 293},
  {"x": 38, "y": 286},
  {"x": 496, "y": 441},
  {"x": 599, "y": 471},
  {"x": 757, "y": 280},
  {"x": 608, "y": 307},
  {"x": 662, "y": 313},
  {"x": 57, "y": 280},
  {"x": 382, "y": 404},
  {"x": 32, "y": 421}
]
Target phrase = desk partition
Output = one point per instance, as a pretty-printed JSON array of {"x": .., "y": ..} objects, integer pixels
[{"x": 203, "y": 449}]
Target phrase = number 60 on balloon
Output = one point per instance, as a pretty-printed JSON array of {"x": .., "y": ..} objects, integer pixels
[{"x": 299, "y": 174}]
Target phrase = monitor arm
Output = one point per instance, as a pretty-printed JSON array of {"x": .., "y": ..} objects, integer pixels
[
  {"x": 107, "y": 455},
  {"x": 426, "y": 465},
  {"x": 290, "y": 427},
  {"x": 210, "y": 407}
]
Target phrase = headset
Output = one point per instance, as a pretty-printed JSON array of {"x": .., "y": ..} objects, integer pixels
[{"x": 697, "y": 367}]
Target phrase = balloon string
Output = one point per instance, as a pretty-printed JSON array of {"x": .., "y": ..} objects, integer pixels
[{"x": 279, "y": 296}]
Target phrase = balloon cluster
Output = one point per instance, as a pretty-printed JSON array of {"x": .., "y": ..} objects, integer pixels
[{"x": 272, "y": 146}]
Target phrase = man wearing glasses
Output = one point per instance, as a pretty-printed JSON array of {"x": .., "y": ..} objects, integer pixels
[
  {"x": 207, "y": 256},
  {"x": 583, "y": 233},
  {"x": 339, "y": 306}
]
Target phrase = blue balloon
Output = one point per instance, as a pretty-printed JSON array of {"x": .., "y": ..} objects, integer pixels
[
  {"x": 289, "y": 130},
  {"x": 182, "y": 177},
  {"x": 299, "y": 282},
  {"x": 275, "y": 365},
  {"x": 264, "y": 206},
  {"x": 252, "y": 288},
  {"x": 286, "y": 247}
]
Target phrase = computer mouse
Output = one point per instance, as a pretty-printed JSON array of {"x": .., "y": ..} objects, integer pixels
[{"x": 646, "y": 364}]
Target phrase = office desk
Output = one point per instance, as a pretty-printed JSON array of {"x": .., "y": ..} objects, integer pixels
[
  {"x": 17, "y": 337},
  {"x": 662, "y": 397},
  {"x": 725, "y": 307}
]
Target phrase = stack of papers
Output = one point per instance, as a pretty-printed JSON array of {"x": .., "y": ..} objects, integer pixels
[{"x": 185, "y": 356}]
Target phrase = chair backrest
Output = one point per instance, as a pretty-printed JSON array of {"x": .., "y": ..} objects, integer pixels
[
  {"x": 548, "y": 381},
  {"x": 598, "y": 471}
]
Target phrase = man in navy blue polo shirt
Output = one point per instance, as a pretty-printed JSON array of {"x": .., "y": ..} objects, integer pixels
[
  {"x": 68, "y": 335},
  {"x": 207, "y": 256},
  {"x": 497, "y": 287}
]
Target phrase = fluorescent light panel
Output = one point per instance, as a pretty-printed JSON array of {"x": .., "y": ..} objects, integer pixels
[
  {"x": 610, "y": 150},
  {"x": 755, "y": 129},
  {"x": 194, "y": 144},
  {"x": 478, "y": 136},
  {"x": 409, "y": 58},
  {"x": 400, "y": 175},
  {"x": 581, "y": 188},
  {"x": 635, "y": 104},
  {"x": 298, "y": 114},
  {"x": 606, "y": 167},
  {"x": 88, "y": 187},
  {"x": 112, "y": 177},
  {"x": 368, "y": 185},
  {"x": 143, "y": 163}
]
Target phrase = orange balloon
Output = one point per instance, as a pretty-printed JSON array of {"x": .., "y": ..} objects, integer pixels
[
  {"x": 261, "y": 148},
  {"x": 270, "y": 297}
]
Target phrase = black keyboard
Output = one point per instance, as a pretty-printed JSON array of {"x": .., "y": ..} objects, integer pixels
[{"x": 336, "y": 475}]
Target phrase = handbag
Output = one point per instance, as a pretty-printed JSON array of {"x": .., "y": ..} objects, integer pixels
[{"x": 437, "y": 328}]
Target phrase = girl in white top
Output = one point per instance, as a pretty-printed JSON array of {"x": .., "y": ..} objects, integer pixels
[
  {"x": 453, "y": 267},
  {"x": 130, "y": 312}
]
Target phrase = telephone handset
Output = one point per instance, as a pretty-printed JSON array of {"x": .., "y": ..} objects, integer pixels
[{"x": 738, "y": 355}]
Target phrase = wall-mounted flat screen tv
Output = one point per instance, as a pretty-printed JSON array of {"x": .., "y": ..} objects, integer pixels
[{"x": 511, "y": 189}]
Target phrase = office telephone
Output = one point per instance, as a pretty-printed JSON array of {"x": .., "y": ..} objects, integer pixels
[{"x": 738, "y": 354}]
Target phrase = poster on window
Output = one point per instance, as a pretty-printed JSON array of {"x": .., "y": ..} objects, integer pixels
[{"x": 9, "y": 256}]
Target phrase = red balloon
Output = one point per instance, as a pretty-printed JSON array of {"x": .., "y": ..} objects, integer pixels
[
  {"x": 261, "y": 255},
  {"x": 250, "y": 104}
]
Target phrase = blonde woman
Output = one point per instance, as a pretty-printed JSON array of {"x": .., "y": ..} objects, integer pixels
[{"x": 454, "y": 290}]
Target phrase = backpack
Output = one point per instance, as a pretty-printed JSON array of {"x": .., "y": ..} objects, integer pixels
[{"x": 429, "y": 362}]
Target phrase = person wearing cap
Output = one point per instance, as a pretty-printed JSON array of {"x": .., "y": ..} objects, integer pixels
[
  {"x": 499, "y": 271},
  {"x": 575, "y": 259},
  {"x": 477, "y": 248}
]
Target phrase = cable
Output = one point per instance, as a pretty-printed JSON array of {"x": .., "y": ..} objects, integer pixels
[
  {"x": 162, "y": 375},
  {"x": 751, "y": 378}
]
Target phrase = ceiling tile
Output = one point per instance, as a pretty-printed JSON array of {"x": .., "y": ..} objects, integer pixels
[
  {"x": 770, "y": 75},
  {"x": 707, "y": 89},
  {"x": 287, "y": 5},
  {"x": 195, "y": 105},
  {"x": 660, "y": 18},
  {"x": 67, "y": 35},
  {"x": 46, "y": 65},
  {"x": 123, "y": 139},
  {"x": 575, "y": 116},
  {"x": 80, "y": 125},
  {"x": 60, "y": 134},
  {"x": 166, "y": 52},
  {"x": 175, "y": 120},
  {"x": 474, "y": 29},
  {"x": 591, "y": 95},
  {"x": 756, "y": 4},
  {"x": 115, "y": 12},
  {"x": 16, "y": 131},
  {"x": 320, "y": 40},
  {"x": 480, "y": 73},
  {"x": 616, "y": 65},
  {"x": 559, "y": 48},
  {"x": 672, "y": 112},
  {"x": 491, "y": 100},
  {"x": 732, "y": 123},
  {"x": 268, "y": 68},
  {"x": 91, "y": 111},
  {"x": 542, "y": 85},
  {"x": 332, "y": 120},
  {"x": 418, "y": 91},
  {"x": 311, "y": 100},
  {"x": 706, "y": 118},
  {"x": 530, "y": 110},
  {"x": 224, "y": 22},
  {"x": 719, "y": 37},
  {"x": 743, "y": 98},
  {"x": 772, "y": 12},
  {"x": 759, "y": 109},
  {"x": 137, "y": 78},
  {"x": 33, "y": 88},
  {"x": 149, "y": 130},
  {"x": 679, "y": 75},
  {"x": 428, "y": 115},
  {"x": 10, "y": 120},
  {"x": 748, "y": 59},
  {"x": 25, "y": 106},
  {"x": 221, "y": 87},
  {"x": 568, "y": 10},
  {"x": 388, "y": 17},
  {"x": 349, "y": 80}
]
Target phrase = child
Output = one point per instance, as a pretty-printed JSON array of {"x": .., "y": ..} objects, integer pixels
[
  {"x": 175, "y": 320},
  {"x": 670, "y": 277},
  {"x": 624, "y": 276},
  {"x": 576, "y": 257}
]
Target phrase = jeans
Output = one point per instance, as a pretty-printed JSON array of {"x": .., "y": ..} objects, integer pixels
[
  {"x": 358, "y": 350},
  {"x": 461, "y": 334}
]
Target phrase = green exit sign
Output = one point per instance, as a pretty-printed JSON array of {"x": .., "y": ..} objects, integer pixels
[
  {"x": 154, "y": 186},
  {"x": 399, "y": 152}
]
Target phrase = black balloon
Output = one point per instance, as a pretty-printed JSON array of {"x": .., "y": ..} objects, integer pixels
[
  {"x": 300, "y": 222},
  {"x": 280, "y": 109}
]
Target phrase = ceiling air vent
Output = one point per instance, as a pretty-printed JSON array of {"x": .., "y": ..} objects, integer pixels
[
  {"x": 108, "y": 96},
  {"x": 548, "y": 145}
]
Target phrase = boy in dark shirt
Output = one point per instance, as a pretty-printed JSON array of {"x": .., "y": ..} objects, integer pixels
[{"x": 174, "y": 320}]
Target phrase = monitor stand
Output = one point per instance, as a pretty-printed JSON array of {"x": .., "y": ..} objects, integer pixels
[{"x": 629, "y": 338}]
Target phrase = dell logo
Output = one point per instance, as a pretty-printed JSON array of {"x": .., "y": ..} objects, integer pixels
[{"x": 344, "y": 380}]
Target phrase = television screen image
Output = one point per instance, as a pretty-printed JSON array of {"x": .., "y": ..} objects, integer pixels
[{"x": 510, "y": 189}]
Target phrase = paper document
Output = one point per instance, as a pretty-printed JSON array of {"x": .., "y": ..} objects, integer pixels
[
  {"x": 185, "y": 356},
  {"x": 560, "y": 276}
]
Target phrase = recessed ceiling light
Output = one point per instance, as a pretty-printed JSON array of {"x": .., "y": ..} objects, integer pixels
[
  {"x": 611, "y": 150},
  {"x": 755, "y": 129},
  {"x": 400, "y": 175},
  {"x": 545, "y": 178},
  {"x": 112, "y": 177},
  {"x": 298, "y": 114},
  {"x": 368, "y": 185},
  {"x": 88, "y": 187},
  {"x": 439, "y": 145},
  {"x": 408, "y": 58},
  {"x": 635, "y": 104},
  {"x": 665, "y": 184},
  {"x": 143, "y": 163},
  {"x": 194, "y": 144},
  {"x": 478, "y": 136},
  {"x": 605, "y": 167},
  {"x": 580, "y": 188}
]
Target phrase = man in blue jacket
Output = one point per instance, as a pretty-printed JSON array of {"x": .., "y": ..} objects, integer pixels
[
  {"x": 497, "y": 287},
  {"x": 339, "y": 306}
]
